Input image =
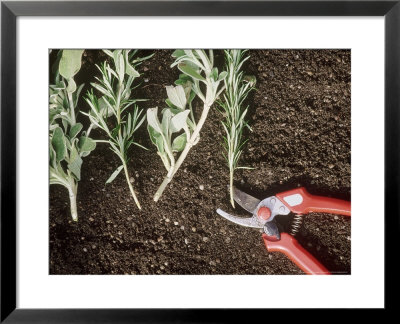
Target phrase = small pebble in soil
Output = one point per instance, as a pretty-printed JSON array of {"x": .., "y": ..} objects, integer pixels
[
  {"x": 186, "y": 241},
  {"x": 193, "y": 229},
  {"x": 348, "y": 238},
  {"x": 205, "y": 239},
  {"x": 91, "y": 179},
  {"x": 146, "y": 80},
  {"x": 212, "y": 263},
  {"x": 82, "y": 238},
  {"x": 84, "y": 249},
  {"x": 91, "y": 219},
  {"x": 270, "y": 256},
  {"x": 176, "y": 223},
  {"x": 201, "y": 187},
  {"x": 131, "y": 179},
  {"x": 336, "y": 217},
  {"x": 160, "y": 239},
  {"x": 93, "y": 246},
  {"x": 227, "y": 240},
  {"x": 162, "y": 267},
  {"x": 167, "y": 220},
  {"x": 182, "y": 228}
]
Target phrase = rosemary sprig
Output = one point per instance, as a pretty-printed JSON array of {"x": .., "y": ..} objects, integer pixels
[
  {"x": 237, "y": 89},
  {"x": 115, "y": 85}
]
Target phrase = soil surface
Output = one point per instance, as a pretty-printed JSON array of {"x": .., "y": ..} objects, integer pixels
[{"x": 300, "y": 120}]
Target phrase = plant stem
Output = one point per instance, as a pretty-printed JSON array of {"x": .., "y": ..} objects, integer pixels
[
  {"x": 73, "y": 189},
  {"x": 182, "y": 157},
  {"x": 130, "y": 186},
  {"x": 231, "y": 188}
]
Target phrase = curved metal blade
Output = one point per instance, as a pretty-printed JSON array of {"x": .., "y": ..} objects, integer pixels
[
  {"x": 244, "y": 221},
  {"x": 245, "y": 201}
]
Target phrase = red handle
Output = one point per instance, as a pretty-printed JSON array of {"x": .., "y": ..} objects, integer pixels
[
  {"x": 299, "y": 201},
  {"x": 289, "y": 246}
]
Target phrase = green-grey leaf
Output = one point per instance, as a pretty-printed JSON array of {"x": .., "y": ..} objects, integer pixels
[
  {"x": 75, "y": 163},
  {"x": 179, "y": 143},
  {"x": 152, "y": 119},
  {"x": 178, "y": 53},
  {"x": 177, "y": 96},
  {"x": 75, "y": 130},
  {"x": 156, "y": 139},
  {"x": 86, "y": 144},
  {"x": 174, "y": 109},
  {"x": 222, "y": 75},
  {"x": 114, "y": 175},
  {"x": 179, "y": 121},
  {"x": 71, "y": 85},
  {"x": 129, "y": 69},
  {"x": 189, "y": 71},
  {"x": 70, "y": 63},
  {"x": 119, "y": 64},
  {"x": 167, "y": 115},
  {"x": 53, "y": 161},
  {"x": 58, "y": 143}
]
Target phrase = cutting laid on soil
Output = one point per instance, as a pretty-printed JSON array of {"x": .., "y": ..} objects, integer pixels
[{"x": 212, "y": 130}]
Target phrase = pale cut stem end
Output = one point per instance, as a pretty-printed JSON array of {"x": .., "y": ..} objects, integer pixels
[
  {"x": 131, "y": 188},
  {"x": 162, "y": 188},
  {"x": 231, "y": 189},
  {"x": 72, "y": 200}
]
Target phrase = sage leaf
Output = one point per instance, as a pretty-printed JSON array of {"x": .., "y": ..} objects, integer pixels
[
  {"x": 58, "y": 143},
  {"x": 179, "y": 121},
  {"x": 156, "y": 139},
  {"x": 190, "y": 71},
  {"x": 71, "y": 85},
  {"x": 129, "y": 69},
  {"x": 179, "y": 143},
  {"x": 165, "y": 124},
  {"x": 70, "y": 63},
  {"x": 222, "y": 76},
  {"x": 75, "y": 163},
  {"x": 75, "y": 130},
  {"x": 114, "y": 175},
  {"x": 178, "y": 53},
  {"x": 86, "y": 144},
  {"x": 177, "y": 96},
  {"x": 152, "y": 119}
]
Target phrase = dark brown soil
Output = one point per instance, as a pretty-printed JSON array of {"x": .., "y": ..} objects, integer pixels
[{"x": 300, "y": 119}]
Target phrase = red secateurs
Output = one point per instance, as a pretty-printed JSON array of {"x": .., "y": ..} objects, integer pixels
[{"x": 297, "y": 201}]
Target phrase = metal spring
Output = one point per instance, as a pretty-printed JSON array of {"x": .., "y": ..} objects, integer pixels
[{"x": 296, "y": 224}]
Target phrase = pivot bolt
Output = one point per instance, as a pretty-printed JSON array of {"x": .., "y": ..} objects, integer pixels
[{"x": 264, "y": 213}]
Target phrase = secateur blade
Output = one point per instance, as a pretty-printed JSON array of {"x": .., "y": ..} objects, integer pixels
[
  {"x": 244, "y": 221},
  {"x": 244, "y": 200}
]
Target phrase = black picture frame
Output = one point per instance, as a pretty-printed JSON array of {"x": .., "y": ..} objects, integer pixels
[{"x": 10, "y": 10}]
